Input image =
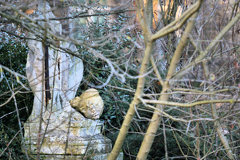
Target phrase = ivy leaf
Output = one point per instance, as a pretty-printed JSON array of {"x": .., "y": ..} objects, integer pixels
[
  {"x": 212, "y": 77},
  {"x": 128, "y": 37},
  {"x": 1, "y": 74},
  {"x": 18, "y": 80}
]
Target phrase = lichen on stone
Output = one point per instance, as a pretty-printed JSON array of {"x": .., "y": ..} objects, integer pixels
[{"x": 89, "y": 103}]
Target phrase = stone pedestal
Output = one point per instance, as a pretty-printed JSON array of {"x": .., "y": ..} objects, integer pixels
[{"x": 67, "y": 136}]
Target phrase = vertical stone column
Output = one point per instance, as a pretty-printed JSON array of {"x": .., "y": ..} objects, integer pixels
[{"x": 55, "y": 130}]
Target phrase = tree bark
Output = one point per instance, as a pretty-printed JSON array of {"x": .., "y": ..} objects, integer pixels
[
  {"x": 131, "y": 111},
  {"x": 140, "y": 85},
  {"x": 155, "y": 121}
]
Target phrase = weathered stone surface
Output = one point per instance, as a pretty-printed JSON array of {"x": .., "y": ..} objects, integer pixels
[
  {"x": 65, "y": 71},
  {"x": 90, "y": 104},
  {"x": 56, "y": 130},
  {"x": 67, "y": 136},
  {"x": 79, "y": 157}
]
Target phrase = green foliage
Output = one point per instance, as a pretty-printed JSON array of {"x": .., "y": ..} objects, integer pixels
[{"x": 13, "y": 55}]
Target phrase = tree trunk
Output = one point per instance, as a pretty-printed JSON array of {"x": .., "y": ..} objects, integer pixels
[{"x": 154, "y": 124}]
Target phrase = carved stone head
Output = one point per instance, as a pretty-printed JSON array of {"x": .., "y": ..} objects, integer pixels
[{"x": 90, "y": 104}]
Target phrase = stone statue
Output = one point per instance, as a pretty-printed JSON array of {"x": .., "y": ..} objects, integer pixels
[{"x": 54, "y": 129}]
